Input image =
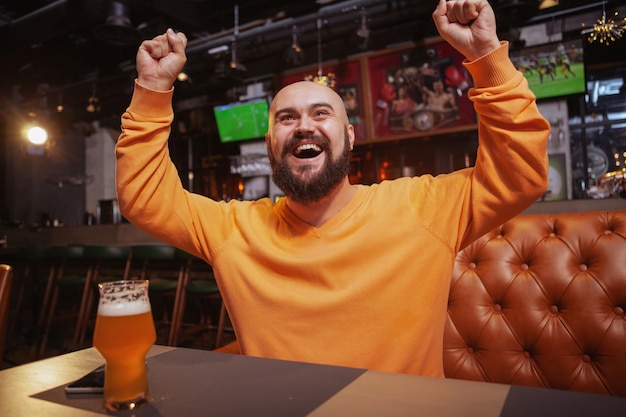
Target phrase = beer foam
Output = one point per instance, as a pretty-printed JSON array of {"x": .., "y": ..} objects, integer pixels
[
  {"x": 123, "y": 299},
  {"x": 124, "y": 307}
]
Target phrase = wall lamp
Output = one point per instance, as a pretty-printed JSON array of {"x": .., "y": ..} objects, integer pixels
[
  {"x": 37, "y": 135},
  {"x": 93, "y": 104},
  {"x": 34, "y": 132}
]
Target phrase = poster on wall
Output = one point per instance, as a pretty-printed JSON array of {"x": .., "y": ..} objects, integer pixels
[
  {"x": 256, "y": 187},
  {"x": 557, "y": 177},
  {"x": 347, "y": 78},
  {"x": 419, "y": 90},
  {"x": 559, "y": 152}
]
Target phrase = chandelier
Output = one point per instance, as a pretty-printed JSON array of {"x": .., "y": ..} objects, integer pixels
[
  {"x": 321, "y": 78},
  {"x": 605, "y": 30}
]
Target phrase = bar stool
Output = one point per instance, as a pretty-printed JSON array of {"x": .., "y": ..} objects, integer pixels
[
  {"x": 27, "y": 282},
  {"x": 68, "y": 271},
  {"x": 6, "y": 280},
  {"x": 159, "y": 265},
  {"x": 108, "y": 263},
  {"x": 198, "y": 282}
]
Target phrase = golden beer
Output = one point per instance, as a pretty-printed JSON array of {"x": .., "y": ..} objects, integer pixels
[{"x": 123, "y": 335}]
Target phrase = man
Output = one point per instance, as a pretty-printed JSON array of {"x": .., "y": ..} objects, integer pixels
[
  {"x": 338, "y": 273},
  {"x": 439, "y": 98}
]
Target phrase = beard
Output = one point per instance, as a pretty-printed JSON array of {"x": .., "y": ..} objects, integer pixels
[{"x": 305, "y": 186}]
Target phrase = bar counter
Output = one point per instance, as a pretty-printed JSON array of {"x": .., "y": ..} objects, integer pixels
[{"x": 125, "y": 234}]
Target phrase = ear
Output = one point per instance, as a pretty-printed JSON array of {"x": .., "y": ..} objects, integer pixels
[
  {"x": 351, "y": 135},
  {"x": 268, "y": 144}
]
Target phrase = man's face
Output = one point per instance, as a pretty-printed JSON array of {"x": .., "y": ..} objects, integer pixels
[{"x": 309, "y": 141}]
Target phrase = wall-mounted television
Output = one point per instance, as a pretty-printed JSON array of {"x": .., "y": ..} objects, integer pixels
[
  {"x": 241, "y": 120},
  {"x": 554, "y": 69}
]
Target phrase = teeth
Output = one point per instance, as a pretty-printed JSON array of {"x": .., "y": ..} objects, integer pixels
[
  {"x": 308, "y": 150},
  {"x": 307, "y": 147}
]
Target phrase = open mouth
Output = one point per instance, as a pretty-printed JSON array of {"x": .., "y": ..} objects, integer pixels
[{"x": 307, "y": 151}]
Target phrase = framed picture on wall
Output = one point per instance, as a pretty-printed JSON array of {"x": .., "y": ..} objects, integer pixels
[
  {"x": 347, "y": 77},
  {"x": 557, "y": 178},
  {"x": 419, "y": 90},
  {"x": 256, "y": 187}
]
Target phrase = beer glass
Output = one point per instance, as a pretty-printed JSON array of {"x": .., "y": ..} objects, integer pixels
[{"x": 123, "y": 334}]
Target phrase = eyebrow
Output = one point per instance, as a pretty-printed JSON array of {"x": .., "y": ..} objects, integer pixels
[{"x": 311, "y": 107}]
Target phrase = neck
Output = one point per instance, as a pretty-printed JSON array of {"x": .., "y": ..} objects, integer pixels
[{"x": 318, "y": 213}]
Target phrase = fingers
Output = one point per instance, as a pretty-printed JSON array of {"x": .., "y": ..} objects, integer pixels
[
  {"x": 156, "y": 47},
  {"x": 161, "y": 45},
  {"x": 468, "y": 25},
  {"x": 439, "y": 14},
  {"x": 462, "y": 11},
  {"x": 177, "y": 41}
]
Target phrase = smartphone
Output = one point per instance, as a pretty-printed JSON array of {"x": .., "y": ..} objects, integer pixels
[{"x": 92, "y": 383}]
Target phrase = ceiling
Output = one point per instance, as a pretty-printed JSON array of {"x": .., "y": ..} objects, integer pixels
[{"x": 64, "y": 51}]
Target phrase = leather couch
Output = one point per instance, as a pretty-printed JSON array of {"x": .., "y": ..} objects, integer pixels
[{"x": 540, "y": 301}]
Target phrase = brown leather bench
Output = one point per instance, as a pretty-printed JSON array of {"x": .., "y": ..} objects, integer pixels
[{"x": 540, "y": 301}]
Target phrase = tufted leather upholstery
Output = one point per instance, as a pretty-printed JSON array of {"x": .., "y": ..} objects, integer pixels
[{"x": 540, "y": 301}]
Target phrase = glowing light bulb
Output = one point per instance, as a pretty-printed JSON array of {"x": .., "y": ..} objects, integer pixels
[{"x": 37, "y": 135}]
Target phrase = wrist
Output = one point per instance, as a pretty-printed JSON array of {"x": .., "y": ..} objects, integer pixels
[
  {"x": 494, "y": 68},
  {"x": 147, "y": 101},
  {"x": 155, "y": 84},
  {"x": 485, "y": 49}
]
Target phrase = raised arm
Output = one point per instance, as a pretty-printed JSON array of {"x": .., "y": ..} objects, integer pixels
[
  {"x": 511, "y": 162},
  {"x": 149, "y": 190}
]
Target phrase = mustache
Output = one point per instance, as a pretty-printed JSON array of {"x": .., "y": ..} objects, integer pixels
[{"x": 292, "y": 142}]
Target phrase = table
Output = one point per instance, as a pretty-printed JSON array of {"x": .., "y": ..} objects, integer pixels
[{"x": 190, "y": 382}]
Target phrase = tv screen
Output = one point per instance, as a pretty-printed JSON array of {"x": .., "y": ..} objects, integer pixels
[
  {"x": 553, "y": 69},
  {"x": 241, "y": 120}
]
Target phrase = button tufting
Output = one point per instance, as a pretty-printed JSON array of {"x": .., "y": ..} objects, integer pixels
[
  {"x": 552, "y": 234},
  {"x": 554, "y": 309},
  {"x": 524, "y": 267},
  {"x": 470, "y": 349},
  {"x": 497, "y": 307},
  {"x": 618, "y": 310},
  {"x": 471, "y": 265},
  {"x": 526, "y": 354},
  {"x": 582, "y": 267},
  {"x": 586, "y": 358},
  {"x": 608, "y": 232}
]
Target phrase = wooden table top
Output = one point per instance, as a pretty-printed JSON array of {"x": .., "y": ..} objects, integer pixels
[{"x": 190, "y": 382}]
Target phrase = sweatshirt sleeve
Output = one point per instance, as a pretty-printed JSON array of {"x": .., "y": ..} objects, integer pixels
[
  {"x": 511, "y": 170},
  {"x": 149, "y": 190}
]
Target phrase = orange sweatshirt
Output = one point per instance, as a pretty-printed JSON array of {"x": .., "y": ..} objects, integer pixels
[{"x": 369, "y": 288}]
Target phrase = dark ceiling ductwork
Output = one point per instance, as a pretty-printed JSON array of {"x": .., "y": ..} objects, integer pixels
[
  {"x": 514, "y": 13},
  {"x": 118, "y": 28},
  {"x": 66, "y": 46}
]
